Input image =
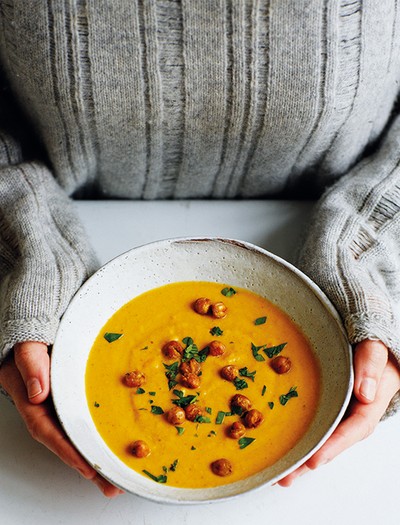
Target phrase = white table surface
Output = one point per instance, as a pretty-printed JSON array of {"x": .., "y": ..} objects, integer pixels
[{"x": 359, "y": 487}]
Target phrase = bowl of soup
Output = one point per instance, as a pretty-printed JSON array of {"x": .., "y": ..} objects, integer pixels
[{"x": 197, "y": 369}]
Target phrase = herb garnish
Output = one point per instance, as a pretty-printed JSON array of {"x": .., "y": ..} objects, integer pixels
[
  {"x": 274, "y": 350},
  {"x": 228, "y": 291},
  {"x": 245, "y": 373},
  {"x": 158, "y": 479},
  {"x": 157, "y": 410},
  {"x": 171, "y": 373},
  {"x": 202, "y": 419},
  {"x": 140, "y": 390},
  {"x": 220, "y": 418},
  {"x": 173, "y": 465},
  {"x": 260, "y": 320},
  {"x": 96, "y": 404},
  {"x": 264, "y": 389},
  {"x": 192, "y": 352},
  {"x": 271, "y": 404},
  {"x": 245, "y": 442},
  {"x": 180, "y": 430},
  {"x": 255, "y": 349},
  {"x": 110, "y": 337},
  {"x": 240, "y": 384},
  {"x": 183, "y": 401},
  {"x": 216, "y": 330},
  {"x": 283, "y": 399}
]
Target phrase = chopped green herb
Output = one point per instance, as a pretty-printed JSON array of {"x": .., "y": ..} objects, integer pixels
[
  {"x": 235, "y": 411},
  {"x": 260, "y": 320},
  {"x": 220, "y": 418},
  {"x": 255, "y": 349},
  {"x": 171, "y": 373},
  {"x": 245, "y": 442},
  {"x": 152, "y": 393},
  {"x": 183, "y": 401},
  {"x": 283, "y": 399},
  {"x": 228, "y": 291},
  {"x": 245, "y": 373},
  {"x": 212, "y": 433},
  {"x": 140, "y": 390},
  {"x": 96, "y": 404},
  {"x": 264, "y": 389},
  {"x": 216, "y": 330},
  {"x": 192, "y": 352},
  {"x": 240, "y": 384},
  {"x": 180, "y": 430},
  {"x": 209, "y": 410},
  {"x": 202, "y": 419},
  {"x": 173, "y": 465},
  {"x": 144, "y": 348},
  {"x": 157, "y": 410},
  {"x": 165, "y": 469},
  {"x": 274, "y": 350},
  {"x": 192, "y": 448},
  {"x": 157, "y": 479},
  {"x": 271, "y": 404},
  {"x": 111, "y": 336}
]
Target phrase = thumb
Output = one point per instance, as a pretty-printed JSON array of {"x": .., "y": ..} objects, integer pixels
[
  {"x": 370, "y": 360},
  {"x": 33, "y": 363}
]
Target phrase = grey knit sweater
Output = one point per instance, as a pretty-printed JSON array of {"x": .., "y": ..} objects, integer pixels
[{"x": 156, "y": 99}]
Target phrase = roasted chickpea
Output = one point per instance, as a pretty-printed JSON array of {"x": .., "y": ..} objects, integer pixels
[
  {"x": 134, "y": 379},
  {"x": 219, "y": 310},
  {"x": 140, "y": 449},
  {"x": 281, "y": 364},
  {"x": 229, "y": 372},
  {"x": 190, "y": 380},
  {"x": 192, "y": 411},
  {"x": 173, "y": 349},
  {"x": 216, "y": 348},
  {"x": 253, "y": 418},
  {"x": 176, "y": 415},
  {"x": 241, "y": 401},
  {"x": 202, "y": 305},
  {"x": 236, "y": 430},
  {"x": 190, "y": 367},
  {"x": 222, "y": 467}
]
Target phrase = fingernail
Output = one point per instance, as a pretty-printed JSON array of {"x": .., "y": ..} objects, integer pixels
[
  {"x": 34, "y": 387},
  {"x": 368, "y": 388}
]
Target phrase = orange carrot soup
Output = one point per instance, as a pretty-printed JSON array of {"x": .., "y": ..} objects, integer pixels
[{"x": 198, "y": 384}]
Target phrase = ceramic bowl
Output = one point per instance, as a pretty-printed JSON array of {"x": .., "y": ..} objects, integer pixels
[{"x": 206, "y": 259}]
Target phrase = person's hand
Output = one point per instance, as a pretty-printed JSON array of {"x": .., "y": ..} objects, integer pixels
[
  {"x": 25, "y": 375},
  {"x": 376, "y": 380}
]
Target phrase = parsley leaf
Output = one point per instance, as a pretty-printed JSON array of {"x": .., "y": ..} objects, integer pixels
[
  {"x": 255, "y": 349},
  {"x": 157, "y": 479},
  {"x": 110, "y": 337},
  {"x": 228, "y": 291},
  {"x": 274, "y": 350},
  {"x": 245, "y": 442},
  {"x": 284, "y": 398},
  {"x": 260, "y": 320},
  {"x": 245, "y": 373},
  {"x": 216, "y": 330}
]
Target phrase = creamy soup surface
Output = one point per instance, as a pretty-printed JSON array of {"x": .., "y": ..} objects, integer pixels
[{"x": 139, "y": 385}]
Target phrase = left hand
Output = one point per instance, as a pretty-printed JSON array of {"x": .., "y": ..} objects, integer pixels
[{"x": 376, "y": 380}]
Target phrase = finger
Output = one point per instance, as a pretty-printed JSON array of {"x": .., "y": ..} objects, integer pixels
[
  {"x": 33, "y": 363},
  {"x": 361, "y": 422},
  {"x": 370, "y": 359}
]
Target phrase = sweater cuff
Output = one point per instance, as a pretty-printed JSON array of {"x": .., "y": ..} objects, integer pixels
[
  {"x": 363, "y": 326},
  {"x": 20, "y": 330}
]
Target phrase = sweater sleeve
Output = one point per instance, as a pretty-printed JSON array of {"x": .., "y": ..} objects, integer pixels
[
  {"x": 44, "y": 253},
  {"x": 352, "y": 249}
]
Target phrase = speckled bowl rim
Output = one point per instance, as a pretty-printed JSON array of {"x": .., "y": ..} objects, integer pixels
[{"x": 147, "y": 488}]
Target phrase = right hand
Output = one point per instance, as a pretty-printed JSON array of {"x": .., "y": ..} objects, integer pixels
[{"x": 25, "y": 375}]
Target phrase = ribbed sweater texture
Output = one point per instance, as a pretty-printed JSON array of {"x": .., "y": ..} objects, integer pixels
[{"x": 167, "y": 99}]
